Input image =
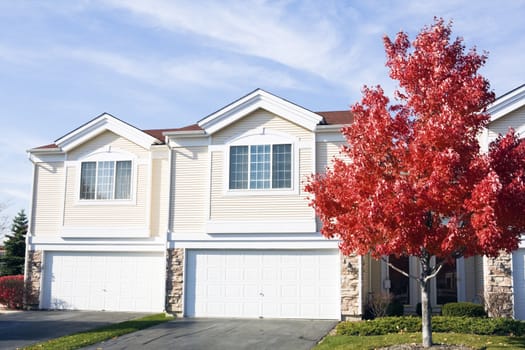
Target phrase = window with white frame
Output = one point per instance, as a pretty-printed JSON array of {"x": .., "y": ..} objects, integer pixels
[
  {"x": 105, "y": 180},
  {"x": 262, "y": 166}
]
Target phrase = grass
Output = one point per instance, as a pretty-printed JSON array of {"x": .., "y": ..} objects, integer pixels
[
  {"x": 78, "y": 340},
  {"x": 485, "y": 342}
]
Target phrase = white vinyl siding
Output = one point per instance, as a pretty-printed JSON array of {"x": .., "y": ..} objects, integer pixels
[
  {"x": 160, "y": 192},
  {"x": 48, "y": 192},
  {"x": 263, "y": 283},
  {"x": 112, "y": 215},
  {"x": 189, "y": 174},
  {"x": 107, "y": 140},
  {"x": 515, "y": 119},
  {"x": 253, "y": 207},
  {"x": 258, "y": 120}
]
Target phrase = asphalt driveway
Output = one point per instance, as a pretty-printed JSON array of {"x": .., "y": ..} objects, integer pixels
[
  {"x": 231, "y": 334},
  {"x": 22, "y": 328}
]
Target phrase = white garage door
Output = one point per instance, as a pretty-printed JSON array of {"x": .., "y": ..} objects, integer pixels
[
  {"x": 270, "y": 283},
  {"x": 518, "y": 271},
  {"x": 104, "y": 281}
]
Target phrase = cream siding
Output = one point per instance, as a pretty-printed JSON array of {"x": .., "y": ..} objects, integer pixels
[
  {"x": 325, "y": 153},
  {"x": 78, "y": 214},
  {"x": 246, "y": 206},
  {"x": 159, "y": 196},
  {"x": 515, "y": 119},
  {"x": 48, "y": 198},
  {"x": 257, "y": 120},
  {"x": 189, "y": 173},
  {"x": 105, "y": 139}
]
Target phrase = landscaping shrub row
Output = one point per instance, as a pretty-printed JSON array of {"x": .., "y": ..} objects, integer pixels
[
  {"x": 408, "y": 324},
  {"x": 12, "y": 291}
]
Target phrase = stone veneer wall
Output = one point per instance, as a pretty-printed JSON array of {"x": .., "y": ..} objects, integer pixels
[
  {"x": 498, "y": 285},
  {"x": 174, "y": 282},
  {"x": 350, "y": 287},
  {"x": 32, "y": 279}
]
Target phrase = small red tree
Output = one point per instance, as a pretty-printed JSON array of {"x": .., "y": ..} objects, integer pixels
[{"x": 412, "y": 180}]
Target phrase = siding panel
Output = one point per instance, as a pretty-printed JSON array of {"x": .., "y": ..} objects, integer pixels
[
  {"x": 516, "y": 119},
  {"x": 159, "y": 196},
  {"x": 47, "y": 203},
  {"x": 105, "y": 139},
  {"x": 190, "y": 195}
]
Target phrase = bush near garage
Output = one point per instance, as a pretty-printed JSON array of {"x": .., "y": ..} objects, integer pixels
[
  {"x": 463, "y": 309},
  {"x": 12, "y": 291},
  {"x": 409, "y": 324}
]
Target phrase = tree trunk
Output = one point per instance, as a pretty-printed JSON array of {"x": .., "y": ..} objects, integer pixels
[{"x": 426, "y": 314}]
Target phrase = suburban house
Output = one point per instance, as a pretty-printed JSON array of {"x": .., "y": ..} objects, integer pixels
[{"x": 211, "y": 220}]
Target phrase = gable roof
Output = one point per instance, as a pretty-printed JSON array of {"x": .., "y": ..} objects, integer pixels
[
  {"x": 255, "y": 100},
  {"x": 507, "y": 103},
  {"x": 100, "y": 124}
]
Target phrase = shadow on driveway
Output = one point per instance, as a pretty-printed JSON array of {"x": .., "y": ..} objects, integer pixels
[
  {"x": 19, "y": 329},
  {"x": 231, "y": 334}
]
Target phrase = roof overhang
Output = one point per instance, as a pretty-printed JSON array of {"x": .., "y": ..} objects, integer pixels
[
  {"x": 259, "y": 99},
  {"x": 102, "y": 123},
  {"x": 507, "y": 103}
]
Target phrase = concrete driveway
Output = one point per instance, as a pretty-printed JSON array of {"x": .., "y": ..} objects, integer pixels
[
  {"x": 231, "y": 334},
  {"x": 22, "y": 328}
]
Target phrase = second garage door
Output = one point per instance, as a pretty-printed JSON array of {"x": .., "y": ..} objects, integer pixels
[
  {"x": 111, "y": 281},
  {"x": 257, "y": 283},
  {"x": 518, "y": 272}
]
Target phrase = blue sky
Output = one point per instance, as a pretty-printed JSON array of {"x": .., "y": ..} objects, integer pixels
[{"x": 159, "y": 64}]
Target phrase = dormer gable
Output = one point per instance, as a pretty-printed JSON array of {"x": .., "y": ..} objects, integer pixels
[
  {"x": 507, "y": 103},
  {"x": 259, "y": 99},
  {"x": 102, "y": 123}
]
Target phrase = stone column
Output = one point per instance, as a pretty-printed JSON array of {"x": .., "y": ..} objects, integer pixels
[
  {"x": 175, "y": 281},
  {"x": 32, "y": 280},
  {"x": 498, "y": 293},
  {"x": 350, "y": 305}
]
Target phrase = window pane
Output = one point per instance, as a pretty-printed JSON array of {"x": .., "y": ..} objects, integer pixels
[
  {"x": 282, "y": 166},
  {"x": 105, "y": 180},
  {"x": 88, "y": 180},
  {"x": 123, "y": 180},
  {"x": 446, "y": 279},
  {"x": 260, "y": 166},
  {"x": 238, "y": 167},
  {"x": 399, "y": 283}
]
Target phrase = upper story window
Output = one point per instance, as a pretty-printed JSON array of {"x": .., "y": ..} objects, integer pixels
[
  {"x": 105, "y": 180},
  {"x": 266, "y": 166}
]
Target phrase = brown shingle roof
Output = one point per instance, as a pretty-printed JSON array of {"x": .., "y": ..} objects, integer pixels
[
  {"x": 157, "y": 133},
  {"x": 337, "y": 117}
]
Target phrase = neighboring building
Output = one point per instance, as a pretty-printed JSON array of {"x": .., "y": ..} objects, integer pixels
[{"x": 208, "y": 220}]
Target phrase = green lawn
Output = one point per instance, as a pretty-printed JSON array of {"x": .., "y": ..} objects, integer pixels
[
  {"x": 345, "y": 342},
  {"x": 78, "y": 340}
]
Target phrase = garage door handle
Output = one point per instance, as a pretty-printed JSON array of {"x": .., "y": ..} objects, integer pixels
[{"x": 261, "y": 294}]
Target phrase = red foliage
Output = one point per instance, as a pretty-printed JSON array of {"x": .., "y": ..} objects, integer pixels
[
  {"x": 12, "y": 291},
  {"x": 416, "y": 182}
]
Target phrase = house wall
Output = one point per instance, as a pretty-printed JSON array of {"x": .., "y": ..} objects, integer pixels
[
  {"x": 515, "y": 119},
  {"x": 48, "y": 189},
  {"x": 160, "y": 193},
  {"x": 189, "y": 176},
  {"x": 122, "y": 213}
]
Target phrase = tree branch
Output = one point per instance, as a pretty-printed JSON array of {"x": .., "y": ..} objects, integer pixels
[{"x": 406, "y": 274}]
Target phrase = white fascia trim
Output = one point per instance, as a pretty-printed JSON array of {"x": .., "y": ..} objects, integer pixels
[
  {"x": 507, "y": 103},
  {"x": 156, "y": 244},
  {"x": 98, "y": 126},
  {"x": 260, "y": 99},
  {"x": 285, "y": 226},
  {"x": 203, "y": 140},
  {"x": 46, "y": 157},
  {"x": 276, "y": 241},
  {"x": 522, "y": 241},
  {"x": 330, "y": 137},
  {"x": 104, "y": 232}
]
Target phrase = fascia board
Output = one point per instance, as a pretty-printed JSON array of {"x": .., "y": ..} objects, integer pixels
[{"x": 507, "y": 103}]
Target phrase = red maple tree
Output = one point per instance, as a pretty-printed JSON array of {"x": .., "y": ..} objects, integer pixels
[{"x": 412, "y": 180}]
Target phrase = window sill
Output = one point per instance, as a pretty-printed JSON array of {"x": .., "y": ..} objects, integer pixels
[
  {"x": 114, "y": 202},
  {"x": 262, "y": 192}
]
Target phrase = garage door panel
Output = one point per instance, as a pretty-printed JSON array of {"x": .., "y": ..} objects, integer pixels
[
  {"x": 518, "y": 272},
  {"x": 271, "y": 283},
  {"x": 104, "y": 281}
]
